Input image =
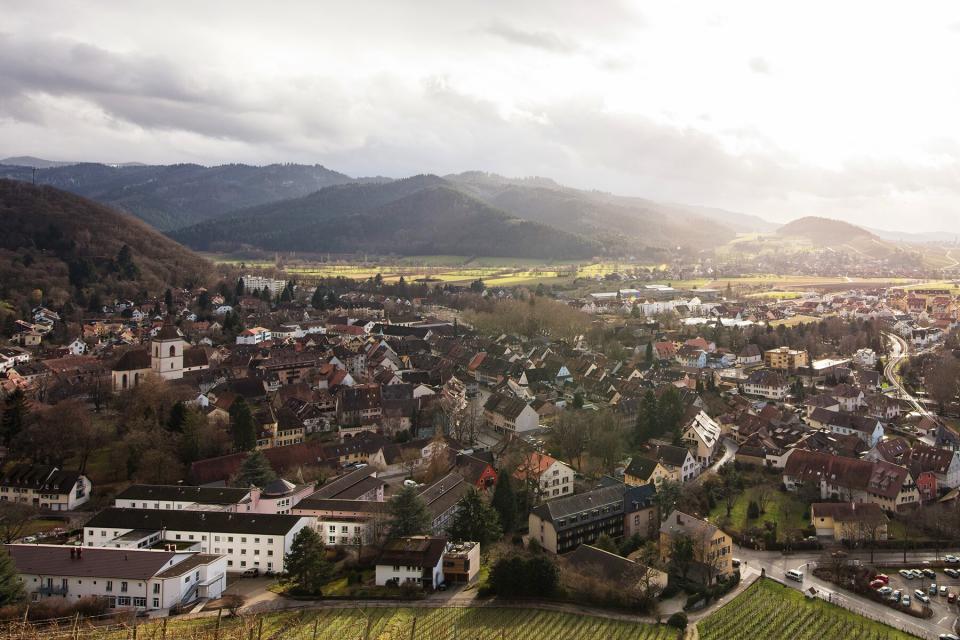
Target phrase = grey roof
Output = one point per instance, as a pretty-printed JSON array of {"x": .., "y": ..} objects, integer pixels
[
  {"x": 279, "y": 487},
  {"x": 172, "y": 492},
  {"x": 559, "y": 508},
  {"x": 337, "y": 486},
  {"x": 107, "y": 562},
  {"x": 223, "y": 522}
]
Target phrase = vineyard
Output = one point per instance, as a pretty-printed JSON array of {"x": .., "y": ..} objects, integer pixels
[
  {"x": 771, "y": 610},
  {"x": 483, "y": 623}
]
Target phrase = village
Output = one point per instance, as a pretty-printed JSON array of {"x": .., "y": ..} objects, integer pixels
[{"x": 631, "y": 444}]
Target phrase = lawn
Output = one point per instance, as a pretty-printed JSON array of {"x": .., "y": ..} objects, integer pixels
[
  {"x": 770, "y": 610},
  {"x": 783, "y": 508},
  {"x": 795, "y": 320}
]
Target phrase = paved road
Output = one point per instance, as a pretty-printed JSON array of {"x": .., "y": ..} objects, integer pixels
[
  {"x": 729, "y": 451},
  {"x": 776, "y": 565},
  {"x": 900, "y": 350}
]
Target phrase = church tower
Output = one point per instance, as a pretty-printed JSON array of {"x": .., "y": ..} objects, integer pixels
[{"x": 166, "y": 353}]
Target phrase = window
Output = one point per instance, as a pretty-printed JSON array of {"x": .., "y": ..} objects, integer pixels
[
  {"x": 269, "y": 552},
  {"x": 156, "y": 587},
  {"x": 123, "y": 601},
  {"x": 109, "y": 585},
  {"x": 123, "y": 587},
  {"x": 140, "y": 602},
  {"x": 156, "y": 603}
]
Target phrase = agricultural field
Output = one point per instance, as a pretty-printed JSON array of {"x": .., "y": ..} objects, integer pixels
[
  {"x": 379, "y": 623},
  {"x": 770, "y": 610}
]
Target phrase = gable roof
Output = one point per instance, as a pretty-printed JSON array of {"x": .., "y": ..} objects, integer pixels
[{"x": 93, "y": 562}]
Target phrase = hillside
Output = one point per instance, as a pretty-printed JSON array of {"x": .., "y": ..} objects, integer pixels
[
  {"x": 415, "y": 216},
  {"x": 68, "y": 246},
  {"x": 175, "y": 196},
  {"x": 824, "y": 231},
  {"x": 623, "y": 224}
]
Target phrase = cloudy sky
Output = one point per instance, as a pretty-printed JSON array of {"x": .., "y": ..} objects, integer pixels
[{"x": 844, "y": 109}]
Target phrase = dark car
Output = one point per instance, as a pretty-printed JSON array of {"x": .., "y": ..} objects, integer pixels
[
  {"x": 251, "y": 573},
  {"x": 442, "y": 586}
]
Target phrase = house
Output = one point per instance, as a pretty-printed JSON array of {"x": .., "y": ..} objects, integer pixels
[
  {"x": 672, "y": 463},
  {"x": 766, "y": 383},
  {"x": 359, "y": 405},
  {"x": 712, "y": 548},
  {"x": 869, "y": 430},
  {"x": 359, "y": 484},
  {"x": 623, "y": 572},
  {"x": 146, "y": 580},
  {"x": 691, "y": 356},
  {"x": 254, "y": 335},
  {"x": 507, "y": 414},
  {"x": 702, "y": 437},
  {"x": 750, "y": 355},
  {"x": 461, "y": 562},
  {"x": 248, "y": 540},
  {"x": 345, "y": 522},
  {"x": 442, "y": 499},
  {"x": 563, "y": 524},
  {"x": 786, "y": 359},
  {"x": 549, "y": 477},
  {"x": 850, "y": 521},
  {"x": 45, "y": 487},
  {"x": 838, "y": 478},
  {"x": 640, "y": 514},
  {"x": 415, "y": 560},
  {"x": 848, "y": 396}
]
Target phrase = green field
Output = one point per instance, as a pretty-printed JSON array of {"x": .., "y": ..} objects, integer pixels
[
  {"x": 783, "y": 509},
  {"x": 771, "y": 610},
  {"x": 393, "y": 623}
]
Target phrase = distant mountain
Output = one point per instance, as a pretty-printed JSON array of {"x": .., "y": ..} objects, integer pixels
[
  {"x": 174, "y": 196},
  {"x": 824, "y": 231},
  {"x": 417, "y": 216},
  {"x": 71, "y": 248},
  {"x": 36, "y": 163},
  {"x": 623, "y": 224}
]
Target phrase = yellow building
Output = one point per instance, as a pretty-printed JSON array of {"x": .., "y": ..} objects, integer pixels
[{"x": 786, "y": 359}]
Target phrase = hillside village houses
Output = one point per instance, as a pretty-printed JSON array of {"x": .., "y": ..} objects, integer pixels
[{"x": 375, "y": 392}]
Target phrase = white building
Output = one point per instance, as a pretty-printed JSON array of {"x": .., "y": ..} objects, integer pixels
[
  {"x": 702, "y": 436},
  {"x": 140, "y": 579},
  {"x": 249, "y": 541},
  {"x": 417, "y": 560},
  {"x": 552, "y": 477},
  {"x": 766, "y": 384},
  {"x": 259, "y": 283},
  {"x": 45, "y": 487},
  {"x": 254, "y": 335}
]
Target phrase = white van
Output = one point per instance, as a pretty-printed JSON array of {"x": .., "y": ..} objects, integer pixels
[{"x": 793, "y": 574}]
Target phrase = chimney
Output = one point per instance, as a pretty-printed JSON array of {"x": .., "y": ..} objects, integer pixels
[{"x": 73, "y": 553}]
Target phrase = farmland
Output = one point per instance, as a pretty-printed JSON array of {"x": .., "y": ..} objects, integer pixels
[
  {"x": 771, "y": 610},
  {"x": 393, "y": 623}
]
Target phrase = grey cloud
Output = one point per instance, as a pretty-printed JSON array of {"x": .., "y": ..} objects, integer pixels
[{"x": 545, "y": 40}]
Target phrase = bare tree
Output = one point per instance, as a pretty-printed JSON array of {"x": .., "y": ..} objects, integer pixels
[
  {"x": 14, "y": 518},
  {"x": 762, "y": 494}
]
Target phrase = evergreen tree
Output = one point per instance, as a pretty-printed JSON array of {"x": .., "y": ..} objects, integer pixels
[
  {"x": 408, "y": 513},
  {"x": 307, "y": 563},
  {"x": 505, "y": 502},
  {"x": 646, "y": 418},
  {"x": 125, "y": 266},
  {"x": 177, "y": 418},
  {"x": 11, "y": 589},
  {"x": 475, "y": 521},
  {"x": 255, "y": 471},
  {"x": 242, "y": 425},
  {"x": 648, "y": 356},
  {"x": 240, "y": 289},
  {"x": 670, "y": 410},
  {"x": 168, "y": 300},
  {"x": 317, "y": 300},
  {"x": 14, "y": 416}
]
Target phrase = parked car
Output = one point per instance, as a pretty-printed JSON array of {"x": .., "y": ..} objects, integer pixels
[
  {"x": 885, "y": 591},
  {"x": 895, "y": 596},
  {"x": 269, "y": 573},
  {"x": 953, "y": 573},
  {"x": 951, "y": 597},
  {"x": 949, "y": 559},
  {"x": 735, "y": 563},
  {"x": 876, "y": 584},
  {"x": 882, "y": 577},
  {"x": 932, "y": 589},
  {"x": 793, "y": 574},
  {"x": 905, "y": 601},
  {"x": 906, "y": 573},
  {"x": 442, "y": 586},
  {"x": 921, "y": 596},
  {"x": 930, "y": 573},
  {"x": 948, "y": 636},
  {"x": 943, "y": 590},
  {"x": 251, "y": 573}
]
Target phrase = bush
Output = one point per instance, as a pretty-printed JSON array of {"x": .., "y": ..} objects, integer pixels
[
  {"x": 678, "y": 620},
  {"x": 521, "y": 575},
  {"x": 233, "y": 602}
]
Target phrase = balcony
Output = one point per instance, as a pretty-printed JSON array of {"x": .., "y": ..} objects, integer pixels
[{"x": 53, "y": 591}]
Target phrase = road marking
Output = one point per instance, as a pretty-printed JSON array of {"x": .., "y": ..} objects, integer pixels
[{"x": 940, "y": 621}]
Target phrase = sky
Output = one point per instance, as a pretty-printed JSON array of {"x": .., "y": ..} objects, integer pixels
[{"x": 840, "y": 109}]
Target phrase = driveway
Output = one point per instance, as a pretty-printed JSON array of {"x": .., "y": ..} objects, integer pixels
[{"x": 256, "y": 591}]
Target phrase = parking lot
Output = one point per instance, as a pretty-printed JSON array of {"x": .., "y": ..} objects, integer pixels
[{"x": 942, "y": 609}]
